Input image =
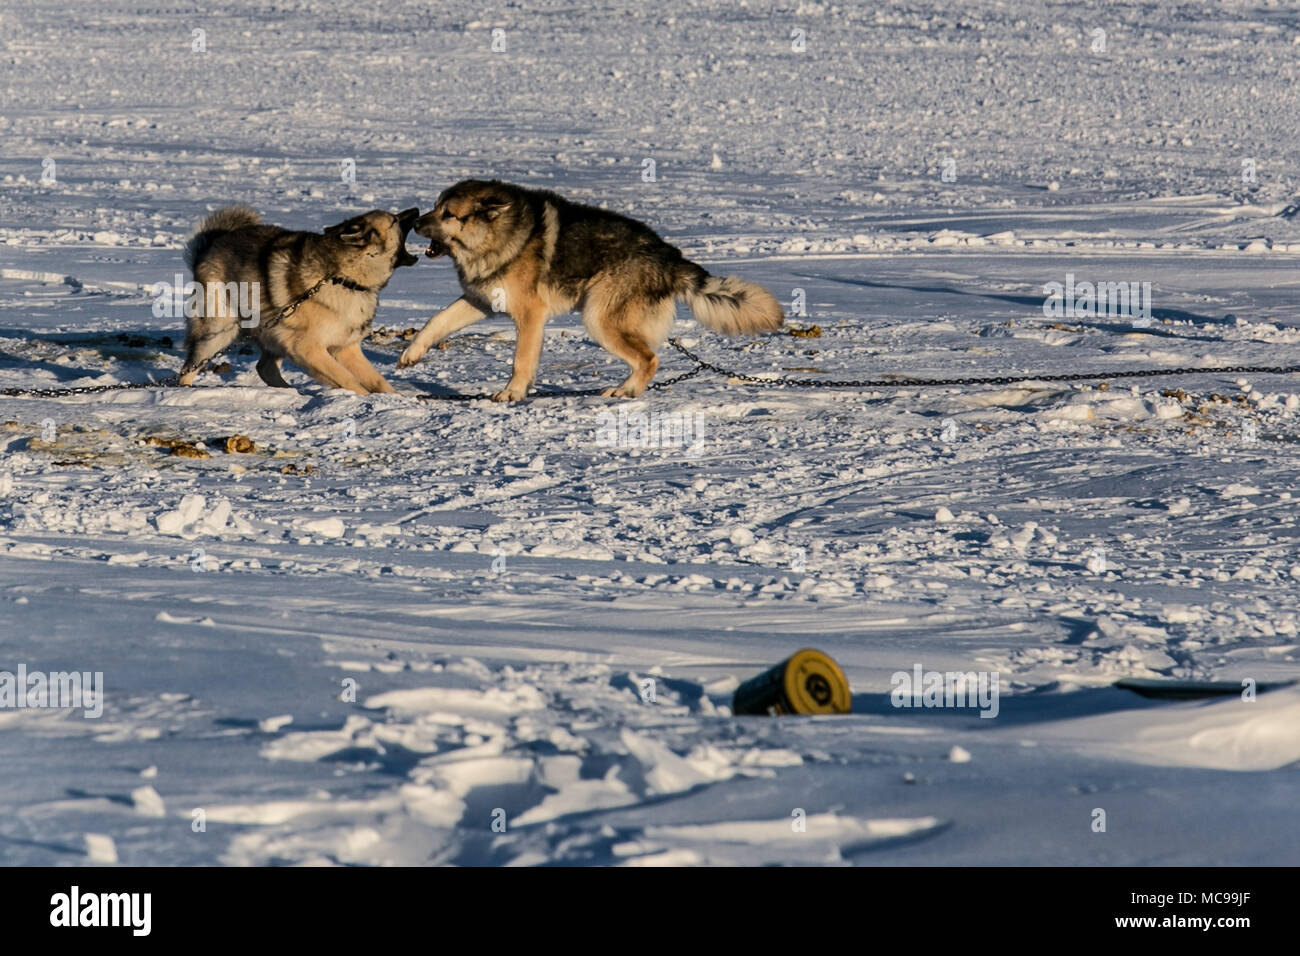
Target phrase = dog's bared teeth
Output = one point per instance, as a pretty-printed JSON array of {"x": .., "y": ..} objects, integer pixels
[{"x": 436, "y": 249}]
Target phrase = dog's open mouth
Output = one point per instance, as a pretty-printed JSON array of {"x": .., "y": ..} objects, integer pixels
[
  {"x": 436, "y": 248},
  {"x": 406, "y": 222}
]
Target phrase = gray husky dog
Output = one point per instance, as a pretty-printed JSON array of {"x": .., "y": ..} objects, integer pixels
[
  {"x": 535, "y": 255},
  {"x": 328, "y": 281}
]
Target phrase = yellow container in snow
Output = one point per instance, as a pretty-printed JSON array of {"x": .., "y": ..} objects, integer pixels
[{"x": 807, "y": 682}]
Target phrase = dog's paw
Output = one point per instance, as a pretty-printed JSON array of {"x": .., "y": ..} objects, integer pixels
[
  {"x": 412, "y": 355},
  {"x": 509, "y": 394},
  {"x": 621, "y": 392}
]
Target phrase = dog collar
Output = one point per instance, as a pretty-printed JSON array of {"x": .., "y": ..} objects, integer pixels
[{"x": 349, "y": 284}]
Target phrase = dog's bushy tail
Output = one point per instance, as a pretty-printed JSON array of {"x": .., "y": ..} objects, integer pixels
[
  {"x": 224, "y": 219},
  {"x": 728, "y": 304}
]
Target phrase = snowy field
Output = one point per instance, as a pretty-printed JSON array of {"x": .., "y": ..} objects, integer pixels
[{"x": 407, "y": 631}]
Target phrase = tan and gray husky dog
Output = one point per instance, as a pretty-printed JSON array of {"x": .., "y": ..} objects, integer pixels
[
  {"x": 535, "y": 255},
  {"x": 333, "y": 277}
]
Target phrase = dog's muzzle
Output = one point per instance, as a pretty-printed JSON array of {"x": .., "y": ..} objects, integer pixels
[{"x": 427, "y": 226}]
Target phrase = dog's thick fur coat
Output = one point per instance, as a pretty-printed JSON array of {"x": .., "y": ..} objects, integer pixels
[
  {"x": 323, "y": 334},
  {"x": 535, "y": 255}
]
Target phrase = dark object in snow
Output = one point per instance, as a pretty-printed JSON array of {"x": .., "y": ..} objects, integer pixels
[
  {"x": 1190, "y": 689},
  {"x": 186, "y": 450},
  {"x": 238, "y": 445},
  {"x": 808, "y": 682}
]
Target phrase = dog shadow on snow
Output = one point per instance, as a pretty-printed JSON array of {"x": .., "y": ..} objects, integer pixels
[{"x": 141, "y": 349}]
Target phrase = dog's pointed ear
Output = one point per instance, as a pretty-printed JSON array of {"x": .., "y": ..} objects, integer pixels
[
  {"x": 493, "y": 206},
  {"x": 352, "y": 232}
]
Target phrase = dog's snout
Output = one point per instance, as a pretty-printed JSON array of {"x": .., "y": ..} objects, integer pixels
[
  {"x": 407, "y": 217},
  {"x": 427, "y": 225}
]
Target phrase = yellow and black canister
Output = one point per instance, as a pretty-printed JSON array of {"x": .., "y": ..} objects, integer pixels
[{"x": 807, "y": 682}]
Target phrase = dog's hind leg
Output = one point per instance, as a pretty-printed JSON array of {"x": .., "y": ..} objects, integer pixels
[
  {"x": 632, "y": 349},
  {"x": 355, "y": 361},
  {"x": 268, "y": 367},
  {"x": 455, "y": 317},
  {"x": 211, "y": 324},
  {"x": 632, "y": 331},
  {"x": 204, "y": 347}
]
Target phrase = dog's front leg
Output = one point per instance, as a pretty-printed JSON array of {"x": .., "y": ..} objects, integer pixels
[
  {"x": 354, "y": 360},
  {"x": 455, "y": 317},
  {"x": 326, "y": 369},
  {"x": 528, "y": 352}
]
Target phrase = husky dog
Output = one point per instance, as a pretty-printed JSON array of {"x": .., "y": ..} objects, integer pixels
[
  {"x": 321, "y": 331},
  {"x": 534, "y": 255}
]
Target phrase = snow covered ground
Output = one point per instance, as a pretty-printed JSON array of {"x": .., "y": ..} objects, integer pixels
[{"x": 405, "y": 631}]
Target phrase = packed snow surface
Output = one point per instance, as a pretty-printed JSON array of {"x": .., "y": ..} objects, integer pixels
[{"x": 406, "y": 631}]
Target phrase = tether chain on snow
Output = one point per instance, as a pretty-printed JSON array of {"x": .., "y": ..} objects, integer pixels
[
  {"x": 906, "y": 382},
  {"x": 83, "y": 390},
  {"x": 704, "y": 366},
  {"x": 285, "y": 311}
]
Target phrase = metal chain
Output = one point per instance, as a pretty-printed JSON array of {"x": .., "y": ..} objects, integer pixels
[
  {"x": 702, "y": 366},
  {"x": 699, "y": 367},
  {"x": 285, "y": 311},
  {"x": 907, "y": 382},
  {"x": 292, "y": 306},
  {"x": 83, "y": 390}
]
